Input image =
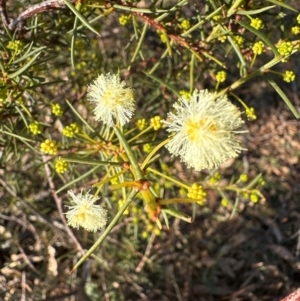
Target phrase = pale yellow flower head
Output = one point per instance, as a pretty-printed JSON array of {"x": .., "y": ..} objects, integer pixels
[
  {"x": 204, "y": 130},
  {"x": 114, "y": 102},
  {"x": 84, "y": 213}
]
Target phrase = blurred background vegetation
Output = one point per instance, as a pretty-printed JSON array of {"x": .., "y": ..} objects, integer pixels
[{"x": 244, "y": 241}]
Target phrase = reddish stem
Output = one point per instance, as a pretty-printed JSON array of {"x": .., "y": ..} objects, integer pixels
[{"x": 295, "y": 296}]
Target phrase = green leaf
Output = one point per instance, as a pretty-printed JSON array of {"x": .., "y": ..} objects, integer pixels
[
  {"x": 235, "y": 207},
  {"x": 255, "y": 11},
  {"x": 239, "y": 54},
  {"x": 177, "y": 214},
  {"x": 279, "y": 3},
  {"x": 81, "y": 17},
  {"x": 283, "y": 96},
  {"x": 160, "y": 81},
  {"x": 166, "y": 219},
  {"x": 174, "y": 8},
  {"x": 140, "y": 43},
  {"x": 27, "y": 54},
  {"x": 80, "y": 117},
  {"x": 23, "y": 139},
  {"x": 73, "y": 43},
  {"x": 90, "y": 162},
  {"x": 253, "y": 182},
  {"x": 25, "y": 67},
  {"x": 78, "y": 179}
]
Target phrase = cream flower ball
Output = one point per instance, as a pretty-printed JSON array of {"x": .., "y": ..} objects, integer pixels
[
  {"x": 204, "y": 130},
  {"x": 84, "y": 213},
  {"x": 113, "y": 101}
]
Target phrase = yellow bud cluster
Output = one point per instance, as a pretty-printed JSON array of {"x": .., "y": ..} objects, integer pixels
[
  {"x": 16, "y": 46},
  {"x": 295, "y": 30},
  {"x": 261, "y": 182},
  {"x": 243, "y": 177},
  {"x": 120, "y": 204},
  {"x": 71, "y": 130},
  {"x": 185, "y": 24},
  {"x": 250, "y": 113},
  {"x": 147, "y": 148},
  {"x": 217, "y": 17},
  {"x": 49, "y": 147},
  {"x": 141, "y": 124},
  {"x": 156, "y": 122},
  {"x": 221, "y": 76},
  {"x": 35, "y": 128},
  {"x": 258, "y": 48},
  {"x": 215, "y": 178},
  {"x": 239, "y": 40},
  {"x": 254, "y": 198},
  {"x": 224, "y": 202},
  {"x": 162, "y": 36},
  {"x": 222, "y": 39},
  {"x": 124, "y": 19},
  {"x": 184, "y": 93},
  {"x": 61, "y": 165},
  {"x": 114, "y": 181},
  {"x": 256, "y": 23},
  {"x": 289, "y": 76},
  {"x": 285, "y": 48},
  {"x": 56, "y": 109},
  {"x": 196, "y": 192}
]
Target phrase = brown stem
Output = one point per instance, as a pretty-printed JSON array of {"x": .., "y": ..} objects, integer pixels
[{"x": 36, "y": 9}]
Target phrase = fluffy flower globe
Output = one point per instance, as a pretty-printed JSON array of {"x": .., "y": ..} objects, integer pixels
[
  {"x": 112, "y": 99},
  {"x": 204, "y": 130},
  {"x": 84, "y": 213}
]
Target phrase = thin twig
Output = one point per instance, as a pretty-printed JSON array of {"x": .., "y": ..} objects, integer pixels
[
  {"x": 147, "y": 253},
  {"x": 26, "y": 259},
  {"x": 3, "y": 13},
  {"x": 104, "y": 286},
  {"x": 23, "y": 285}
]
